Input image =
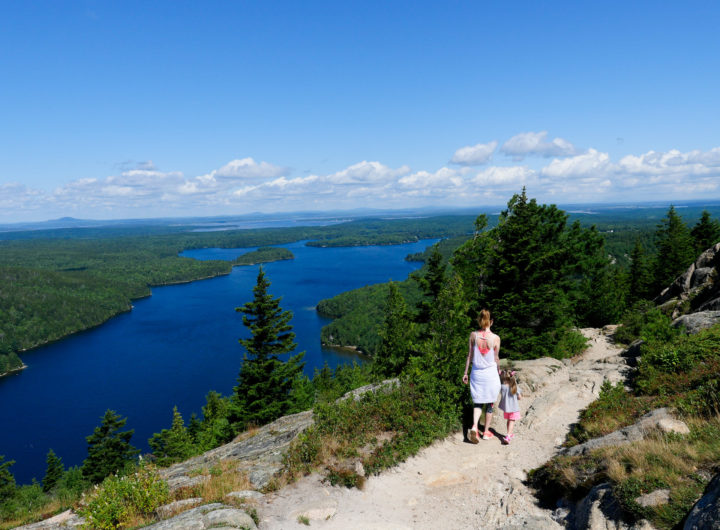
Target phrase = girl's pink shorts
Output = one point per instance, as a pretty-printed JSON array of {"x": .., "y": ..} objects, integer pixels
[{"x": 511, "y": 415}]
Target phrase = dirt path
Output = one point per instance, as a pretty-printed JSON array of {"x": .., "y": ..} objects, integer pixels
[{"x": 454, "y": 484}]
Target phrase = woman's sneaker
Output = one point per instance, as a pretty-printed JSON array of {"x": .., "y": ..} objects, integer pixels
[{"x": 488, "y": 436}]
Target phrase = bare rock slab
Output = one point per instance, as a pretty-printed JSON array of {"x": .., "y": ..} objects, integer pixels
[
  {"x": 657, "y": 419},
  {"x": 208, "y": 516},
  {"x": 705, "y": 515}
]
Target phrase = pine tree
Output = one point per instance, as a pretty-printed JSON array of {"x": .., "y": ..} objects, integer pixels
[
  {"x": 524, "y": 273},
  {"x": 109, "y": 449},
  {"x": 449, "y": 329},
  {"x": 640, "y": 275},
  {"x": 396, "y": 333},
  {"x": 53, "y": 472},
  {"x": 431, "y": 283},
  {"x": 676, "y": 249},
  {"x": 174, "y": 444},
  {"x": 705, "y": 233},
  {"x": 265, "y": 382},
  {"x": 7, "y": 480},
  {"x": 535, "y": 273}
]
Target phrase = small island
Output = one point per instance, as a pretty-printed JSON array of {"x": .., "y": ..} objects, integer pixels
[{"x": 263, "y": 255}]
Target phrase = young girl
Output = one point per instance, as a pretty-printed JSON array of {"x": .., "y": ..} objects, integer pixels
[{"x": 509, "y": 397}]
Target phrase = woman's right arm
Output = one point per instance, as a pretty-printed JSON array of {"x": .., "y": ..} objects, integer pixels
[{"x": 469, "y": 356}]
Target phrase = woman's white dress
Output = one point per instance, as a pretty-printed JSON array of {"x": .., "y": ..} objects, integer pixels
[{"x": 484, "y": 378}]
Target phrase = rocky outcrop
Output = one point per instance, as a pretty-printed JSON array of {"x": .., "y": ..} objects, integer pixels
[
  {"x": 64, "y": 520},
  {"x": 657, "y": 419},
  {"x": 208, "y": 516},
  {"x": 705, "y": 515},
  {"x": 697, "y": 289},
  {"x": 258, "y": 454}
]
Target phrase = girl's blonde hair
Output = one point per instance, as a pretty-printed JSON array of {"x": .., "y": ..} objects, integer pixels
[
  {"x": 507, "y": 377},
  {"x": 484, "y": 319}
]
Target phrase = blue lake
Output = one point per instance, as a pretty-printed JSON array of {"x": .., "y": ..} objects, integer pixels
[{"x": 171, "y": 349}]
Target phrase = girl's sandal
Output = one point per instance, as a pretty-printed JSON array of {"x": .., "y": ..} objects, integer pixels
[{"x": 473, "y": 436}]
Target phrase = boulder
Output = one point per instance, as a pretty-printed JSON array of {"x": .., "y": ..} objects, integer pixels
[
  {"x": 656, "y": 419},
  {"x": 172, "y": 508},
  {"x": 705, "y": 515},
  {"x": 600, "y": 510},
  {"x": 654, "y": 498},
  {"x": 695, "y": 322}
]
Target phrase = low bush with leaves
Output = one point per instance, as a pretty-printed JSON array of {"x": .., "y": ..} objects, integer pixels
[{"x": 125, "y": 500}]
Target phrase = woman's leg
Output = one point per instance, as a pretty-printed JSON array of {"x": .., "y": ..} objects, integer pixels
[
  {"x": 488, "y": 419},
  {"x": 476, "y": 417}
]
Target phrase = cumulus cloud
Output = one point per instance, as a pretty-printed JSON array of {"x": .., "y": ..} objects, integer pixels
[
  {"x": 536, "y": 143},
  {"x": 247, "y": 168},
  {"x": 244, "y": 184},
  {"x": 364, "y": 172},
  {"x": 592, "y": 163},
  {"x": 474, "y": 155},
  {"x": 504, "y": 176}
]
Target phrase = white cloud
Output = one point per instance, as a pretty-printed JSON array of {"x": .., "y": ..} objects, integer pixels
[
  {"x": 245, "y": 185},
  {"x": 474, "y": 155},
  {"x": 535, "y": 143},
  {"x": 364, "y": 172},
  {"x": 443, "y": 177},
  {"x": 590, "y": 164},
  {"x": 504, "y": 176},
  {"x": 247, "y": 168},
  {"x": 671, "y": 163}
]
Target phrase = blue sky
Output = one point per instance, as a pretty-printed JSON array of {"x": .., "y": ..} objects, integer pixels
[{"x": 146, "y": 109}]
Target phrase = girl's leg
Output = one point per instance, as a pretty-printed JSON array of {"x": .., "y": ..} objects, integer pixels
[
  {"x": 508, "y": 426},
  {"x": 511, "y": 424}
]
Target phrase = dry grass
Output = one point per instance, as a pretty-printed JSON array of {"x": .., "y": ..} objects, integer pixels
[
  {"x": 54, "y": 507},
  {"x": 222, "y": 478}
]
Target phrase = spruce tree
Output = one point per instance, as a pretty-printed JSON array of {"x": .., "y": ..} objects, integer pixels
[
  {"x": 641, "y": 280},
  {"x": 7, "y": 480},
  {"x": 109, "y": 449},
  {"x": 524, "y": 288},
  {"x": 173, "y": 444},
  {"x": 396, "y": 333},
  {"x": 431, "y": 283},
  {"x": 705, "y": 233},
  {"x": 535, "y": 274},
  {"x": 263, "y": 392},
  {"x": 53, "y": 472},
  {"x": 675, "y": 249}
]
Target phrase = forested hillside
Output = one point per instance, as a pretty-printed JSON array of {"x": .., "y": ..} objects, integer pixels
[{"x": 58, "y": 282}]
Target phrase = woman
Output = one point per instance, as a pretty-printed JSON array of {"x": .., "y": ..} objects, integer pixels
[{"x": 484, "y": 352}]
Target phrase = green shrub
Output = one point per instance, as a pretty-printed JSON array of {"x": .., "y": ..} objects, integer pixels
[
  {"x": 571, "y": 343},
  {"x": 120, "y": 500},
  {"x": 647, "y": 322}
]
